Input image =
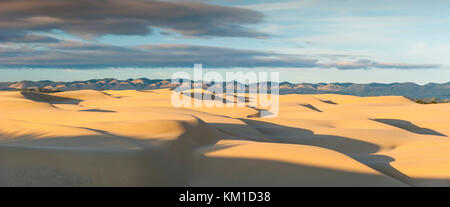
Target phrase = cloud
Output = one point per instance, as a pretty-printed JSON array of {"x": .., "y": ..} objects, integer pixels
[
  {"x": 93, "y": 18},
  {"x": 274, "y": 6},
  {"x": 80, "y": 55},
  {"x": 368, "y": 64},
  {"x": 24, "y": 37},
  {"x": 90, "y": 55}
]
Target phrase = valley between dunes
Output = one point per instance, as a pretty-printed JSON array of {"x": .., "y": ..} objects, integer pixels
[{"x": 137, "y": 138}]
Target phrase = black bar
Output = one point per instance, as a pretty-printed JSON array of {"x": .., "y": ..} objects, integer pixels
[{"x": 237, "y": 197}]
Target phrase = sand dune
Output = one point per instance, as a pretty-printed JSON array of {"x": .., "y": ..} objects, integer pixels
[{"x": 137, "y": 138}]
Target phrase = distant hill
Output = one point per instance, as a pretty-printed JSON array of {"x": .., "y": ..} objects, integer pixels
[{"x": 412, "y": 90}]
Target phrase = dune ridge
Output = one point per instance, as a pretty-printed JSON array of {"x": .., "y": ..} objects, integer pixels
[{"x": 137, "y": 138}]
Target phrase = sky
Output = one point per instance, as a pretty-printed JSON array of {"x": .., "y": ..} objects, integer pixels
[{"x": 358, "y": 41}]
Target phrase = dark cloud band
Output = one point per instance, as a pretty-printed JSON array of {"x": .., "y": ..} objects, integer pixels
[
  {"x": 90, "y": 18},
  {"x": 69, "y": 54},
  {"x": 81, "y": 55}
]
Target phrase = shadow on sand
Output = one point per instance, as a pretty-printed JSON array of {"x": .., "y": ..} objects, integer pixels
[
  {"x": 408, "y": 126},
  {"x": 310, "y": 107},
  {"x": 359, "y": 150},
  {"x": 99, "y": 110},
  {"x": 210, "y": 97},
  {"x": 46, "y": 98},
  {"x": 328, "y": 102}
]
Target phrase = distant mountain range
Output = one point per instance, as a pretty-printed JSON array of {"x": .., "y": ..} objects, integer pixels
[{"x": 412, "y": 90}]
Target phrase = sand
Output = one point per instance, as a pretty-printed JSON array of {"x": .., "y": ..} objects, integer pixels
[{"x": 137, "y": 138}]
